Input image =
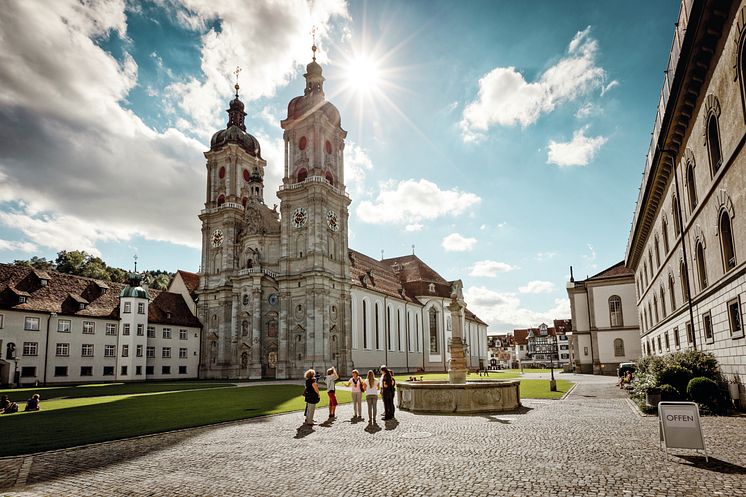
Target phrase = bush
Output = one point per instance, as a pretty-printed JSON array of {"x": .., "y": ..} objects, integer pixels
[
  {"x": 703, "y": 391},
  {"x": 699, "y": 363},
  {"x": 675, "y": 376},
  {"x": 669, "y": 393}
]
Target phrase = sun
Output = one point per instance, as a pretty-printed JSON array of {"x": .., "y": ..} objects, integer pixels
[{"x": 362, "y": 74}]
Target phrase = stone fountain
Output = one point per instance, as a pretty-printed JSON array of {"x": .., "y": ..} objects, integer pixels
[{"x": 458, "y": 395}]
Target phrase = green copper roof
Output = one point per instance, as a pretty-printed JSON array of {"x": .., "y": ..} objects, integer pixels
[{"x": 137, "y": 292}]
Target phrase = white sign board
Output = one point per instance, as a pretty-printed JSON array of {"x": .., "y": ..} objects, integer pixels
[{"x": 680, "y": 427}]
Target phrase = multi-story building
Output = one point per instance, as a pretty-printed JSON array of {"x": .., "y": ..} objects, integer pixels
[
  {"x": 501, "y": 351},
  {"x": 280, "y": 291},
  {"x": 604, "y": 320},
  {"x": 60, "y": 328},
  {"x": 544, "y": 345},
  {"x": 688, "y": 237}
]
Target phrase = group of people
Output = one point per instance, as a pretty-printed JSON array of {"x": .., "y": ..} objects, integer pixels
[
  {"x": 626, "y": 380},
  {"x": 370, "y": 386},
  {"x": 7, "y": 406}
]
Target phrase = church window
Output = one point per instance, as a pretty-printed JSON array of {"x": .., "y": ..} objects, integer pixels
[
  {"x": 302, "y": 143},
  {"x": 221, "y": 173},
  {"x": 398, "y": 330},
  {"x": 726, "y": 241},
  {"x": 365, "y": 324},
  {"x": 615, "y": 311},
  {"x": 388, "y": 329},
  {"x": 378, "y": 340},
  {"x": 713, "y": 143},
  {"x": 246, "y": 175},
  {"x": 701, "y": 267},
  {"x": 328, "y": 147},
  {"x": 433, "y": 330},
  {"x": 221, "y": 200},
  {"x": 330, "y": 178},
  {"x": 417, "y": 332},
  {"x": 618, "y": 347},
  {"x": 302, "y": 174},
  {"x": 691, "y": 187}
]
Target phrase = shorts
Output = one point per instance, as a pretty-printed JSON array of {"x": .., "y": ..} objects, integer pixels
[{"x": 332, "y": 398}]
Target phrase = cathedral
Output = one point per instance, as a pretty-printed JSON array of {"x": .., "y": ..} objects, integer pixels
[{"x": 280, "y": 291}]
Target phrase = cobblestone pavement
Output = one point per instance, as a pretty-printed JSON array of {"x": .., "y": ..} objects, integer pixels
[{"x": 592, "y": 443}]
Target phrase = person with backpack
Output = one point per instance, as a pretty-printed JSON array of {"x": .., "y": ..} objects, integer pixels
[
  {"x": 311, "y": 395},
  {"x": 371, "y": 396},
  {"x": 357, "y": 389},
  {"x": 387, "y": 392}
]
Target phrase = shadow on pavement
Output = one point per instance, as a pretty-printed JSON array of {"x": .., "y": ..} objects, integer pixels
[
  {"x": 391, "y": 424},
  {"x": 372, "y": 428},
  {"x": 303, "y": 431},
  {"x": 714, "y": 464}
]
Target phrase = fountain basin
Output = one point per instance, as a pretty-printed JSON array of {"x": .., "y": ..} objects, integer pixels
[{"x": 435, "y": 396}]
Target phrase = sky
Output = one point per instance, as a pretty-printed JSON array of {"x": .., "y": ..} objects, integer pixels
[{"x": 501, "y": 141}]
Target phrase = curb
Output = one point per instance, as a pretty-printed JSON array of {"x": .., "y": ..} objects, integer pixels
[{"x": 567, "y": 394}]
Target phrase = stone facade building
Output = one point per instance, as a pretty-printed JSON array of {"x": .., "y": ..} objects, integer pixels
[
  {"x": 280, "y": 291},
  {"x": 60, "y": 328},
  {"x": 687, "y": 245},
  {"x": 604, "y": 320}
]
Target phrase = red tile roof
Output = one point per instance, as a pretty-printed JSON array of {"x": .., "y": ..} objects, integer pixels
[
  {"x": 64, "y": 293},
  {"x": 618, "y": 269},
  {"x": 191, "y": 280}
]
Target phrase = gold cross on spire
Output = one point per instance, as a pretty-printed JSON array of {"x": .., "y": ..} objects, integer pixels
[
  {"x": 237, "y": 72},
  {"x": 313, "y": 47}
]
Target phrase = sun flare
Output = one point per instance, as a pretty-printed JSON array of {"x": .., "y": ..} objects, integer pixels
[{"x": 362, "y": 74}]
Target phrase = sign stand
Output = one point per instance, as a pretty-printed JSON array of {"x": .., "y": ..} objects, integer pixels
[{"x": 679, "y": 427}]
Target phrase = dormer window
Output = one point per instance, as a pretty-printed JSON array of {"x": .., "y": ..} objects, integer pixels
[
  {"x": 82, "y": 306},
  {"x": 431, "y": 288},
  {"x": 168, "y": 315},
  {"x": 43, "y": 282},
  {"x": 21, "y": 299}
]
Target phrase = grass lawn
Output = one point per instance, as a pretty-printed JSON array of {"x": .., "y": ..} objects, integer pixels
[
  {"x": 132, "y": 412},
  {"x": 539, "y": 389}
]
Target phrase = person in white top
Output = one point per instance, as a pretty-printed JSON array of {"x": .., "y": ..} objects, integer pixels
[
  {"x": 356, "y": 387},
  {"x": 371, "y": 387},
  {"x": 331, "y": 378}
]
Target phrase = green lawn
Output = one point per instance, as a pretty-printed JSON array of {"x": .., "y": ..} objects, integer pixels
[
  {"x": 539, "y": 389},
  {"x": 68, "y": 421}
]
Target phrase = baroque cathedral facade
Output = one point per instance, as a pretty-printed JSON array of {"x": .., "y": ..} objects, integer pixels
[{"x": 280, "y": 291}]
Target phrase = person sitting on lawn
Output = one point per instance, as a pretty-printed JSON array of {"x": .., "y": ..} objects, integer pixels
[
  {"x": 7, "y": 406},
  {"x": 4, "y": 402},
  {"x": 32, "y": 404}
]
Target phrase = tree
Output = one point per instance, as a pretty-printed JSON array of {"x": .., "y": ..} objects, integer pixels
[
  {"x": 35, "y": 262},
  {"x": 71, "y": 262},
  {"x": 161, "y": 281}
]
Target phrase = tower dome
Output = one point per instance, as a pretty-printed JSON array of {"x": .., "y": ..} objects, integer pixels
[
  {"x": 235, "y": 130},
  {"x": 133, "y": 288}
]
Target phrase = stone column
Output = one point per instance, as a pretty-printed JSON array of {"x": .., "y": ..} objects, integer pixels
[
  {"x": 457, "y": 368},
  {"x": 255, "y": 367}
]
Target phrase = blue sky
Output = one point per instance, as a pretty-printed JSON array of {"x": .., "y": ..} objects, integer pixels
[{"x": 505, "y": 140}]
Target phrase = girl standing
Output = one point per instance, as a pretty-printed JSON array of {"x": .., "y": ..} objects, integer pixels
[
  {"x": 312, "y": 395},
  {"x": 356, "y": 387},
  {"x": 331, "y": 378},
  {"x": 371, "y": 396}
]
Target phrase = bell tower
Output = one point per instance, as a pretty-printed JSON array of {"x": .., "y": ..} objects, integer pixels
[{"x": 314, "y": 209}]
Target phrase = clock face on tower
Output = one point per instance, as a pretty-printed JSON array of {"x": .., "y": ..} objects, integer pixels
[
  {"x": 332, "y": 221},
  {"x": 217, "y": 238},
  {"x": 300, "y": 216}
]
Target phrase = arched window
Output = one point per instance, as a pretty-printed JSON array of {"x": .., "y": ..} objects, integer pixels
[
  {"x": 657, "y": 252},
  {"x": 647, "y": 323},
  {"x": 655, "y": 308},
  {"x": 365, "y": 324},
  {"x": 388, "y": 329},
  {"x": 302, "y": 174},
  {"x": 330, "y": 178},
  {"x": 378, "y": 340},
  {"x": 664, "y": 228},
  {"x": 684, "y": 281},
  {"x": 650, "y": 314},
  {"x": 726, "y": 241},
  {"x": 642, "y": 323},
  {"x": 676, "y": 217},
  {"x": 691, "y": 187},
  {"x": 652, "y": 268},
  {"x": 645, "y": 279},
  {"x": 618, "y": 347},
  {"x": 615, "y": 311},
  {"x": 433, "y": 330},
  {"x": 221, "y": 200},
  {"x": 713, "y": 143},
  {"x": 701, "y": 267},
  {"x": 398, "y": 330},
  {"x": 663, "y": 303},
  {"x": 672, "y": 292}
]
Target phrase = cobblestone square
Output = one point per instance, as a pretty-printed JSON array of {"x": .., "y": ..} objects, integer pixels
[{"x": 591, "y": 443}]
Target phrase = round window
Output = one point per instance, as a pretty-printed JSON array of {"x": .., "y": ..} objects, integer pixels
[
  {"x": 302, "y": 143},
  {"x": 221, "y": 173},
  {"x": 246, "y": 175}
]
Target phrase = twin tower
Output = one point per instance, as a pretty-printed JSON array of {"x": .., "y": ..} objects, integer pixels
[{"x": 274, "y": 293}]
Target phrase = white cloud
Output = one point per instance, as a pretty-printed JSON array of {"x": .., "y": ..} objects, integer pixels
[
  {"x": 579, "y": 151},
  {"x": 588, "y": 109},
  {"x": 410, "y": 201},
  {"x": 490, "y": 268},
  {"x": 507, "y": 99},
  {"x": 357, "y": 163},
  {"x": 590, "y": 258},
  {"x": 414, "y": 227},
  {"x": 608, "y": 87},
  {"x": 503, "y": 311},
  {"x": 545, "y": 256},
  {"x": 537, "y": 286},
  {"x": 11, "y": 245},
  {"x": 458, "y": 243},
  {"x": 483, "y": 227},
  {"x": 269, "y": 40}
]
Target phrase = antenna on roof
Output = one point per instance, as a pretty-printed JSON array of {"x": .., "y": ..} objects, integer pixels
[
  {"x": 135, "y": 257},
  {"x": 413, "y": 249},
  {"x": 572, "y": 278},
  {"x": 381, "y": 254}
]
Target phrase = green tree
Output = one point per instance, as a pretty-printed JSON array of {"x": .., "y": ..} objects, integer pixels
[
  {"x": 161, "y": 281},
  {"x": 71, "y": 262},
  {"x": 36, "y": 263}
]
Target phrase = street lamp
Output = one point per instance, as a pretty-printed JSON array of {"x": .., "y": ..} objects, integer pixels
[{"x": 552, "y": 381}]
